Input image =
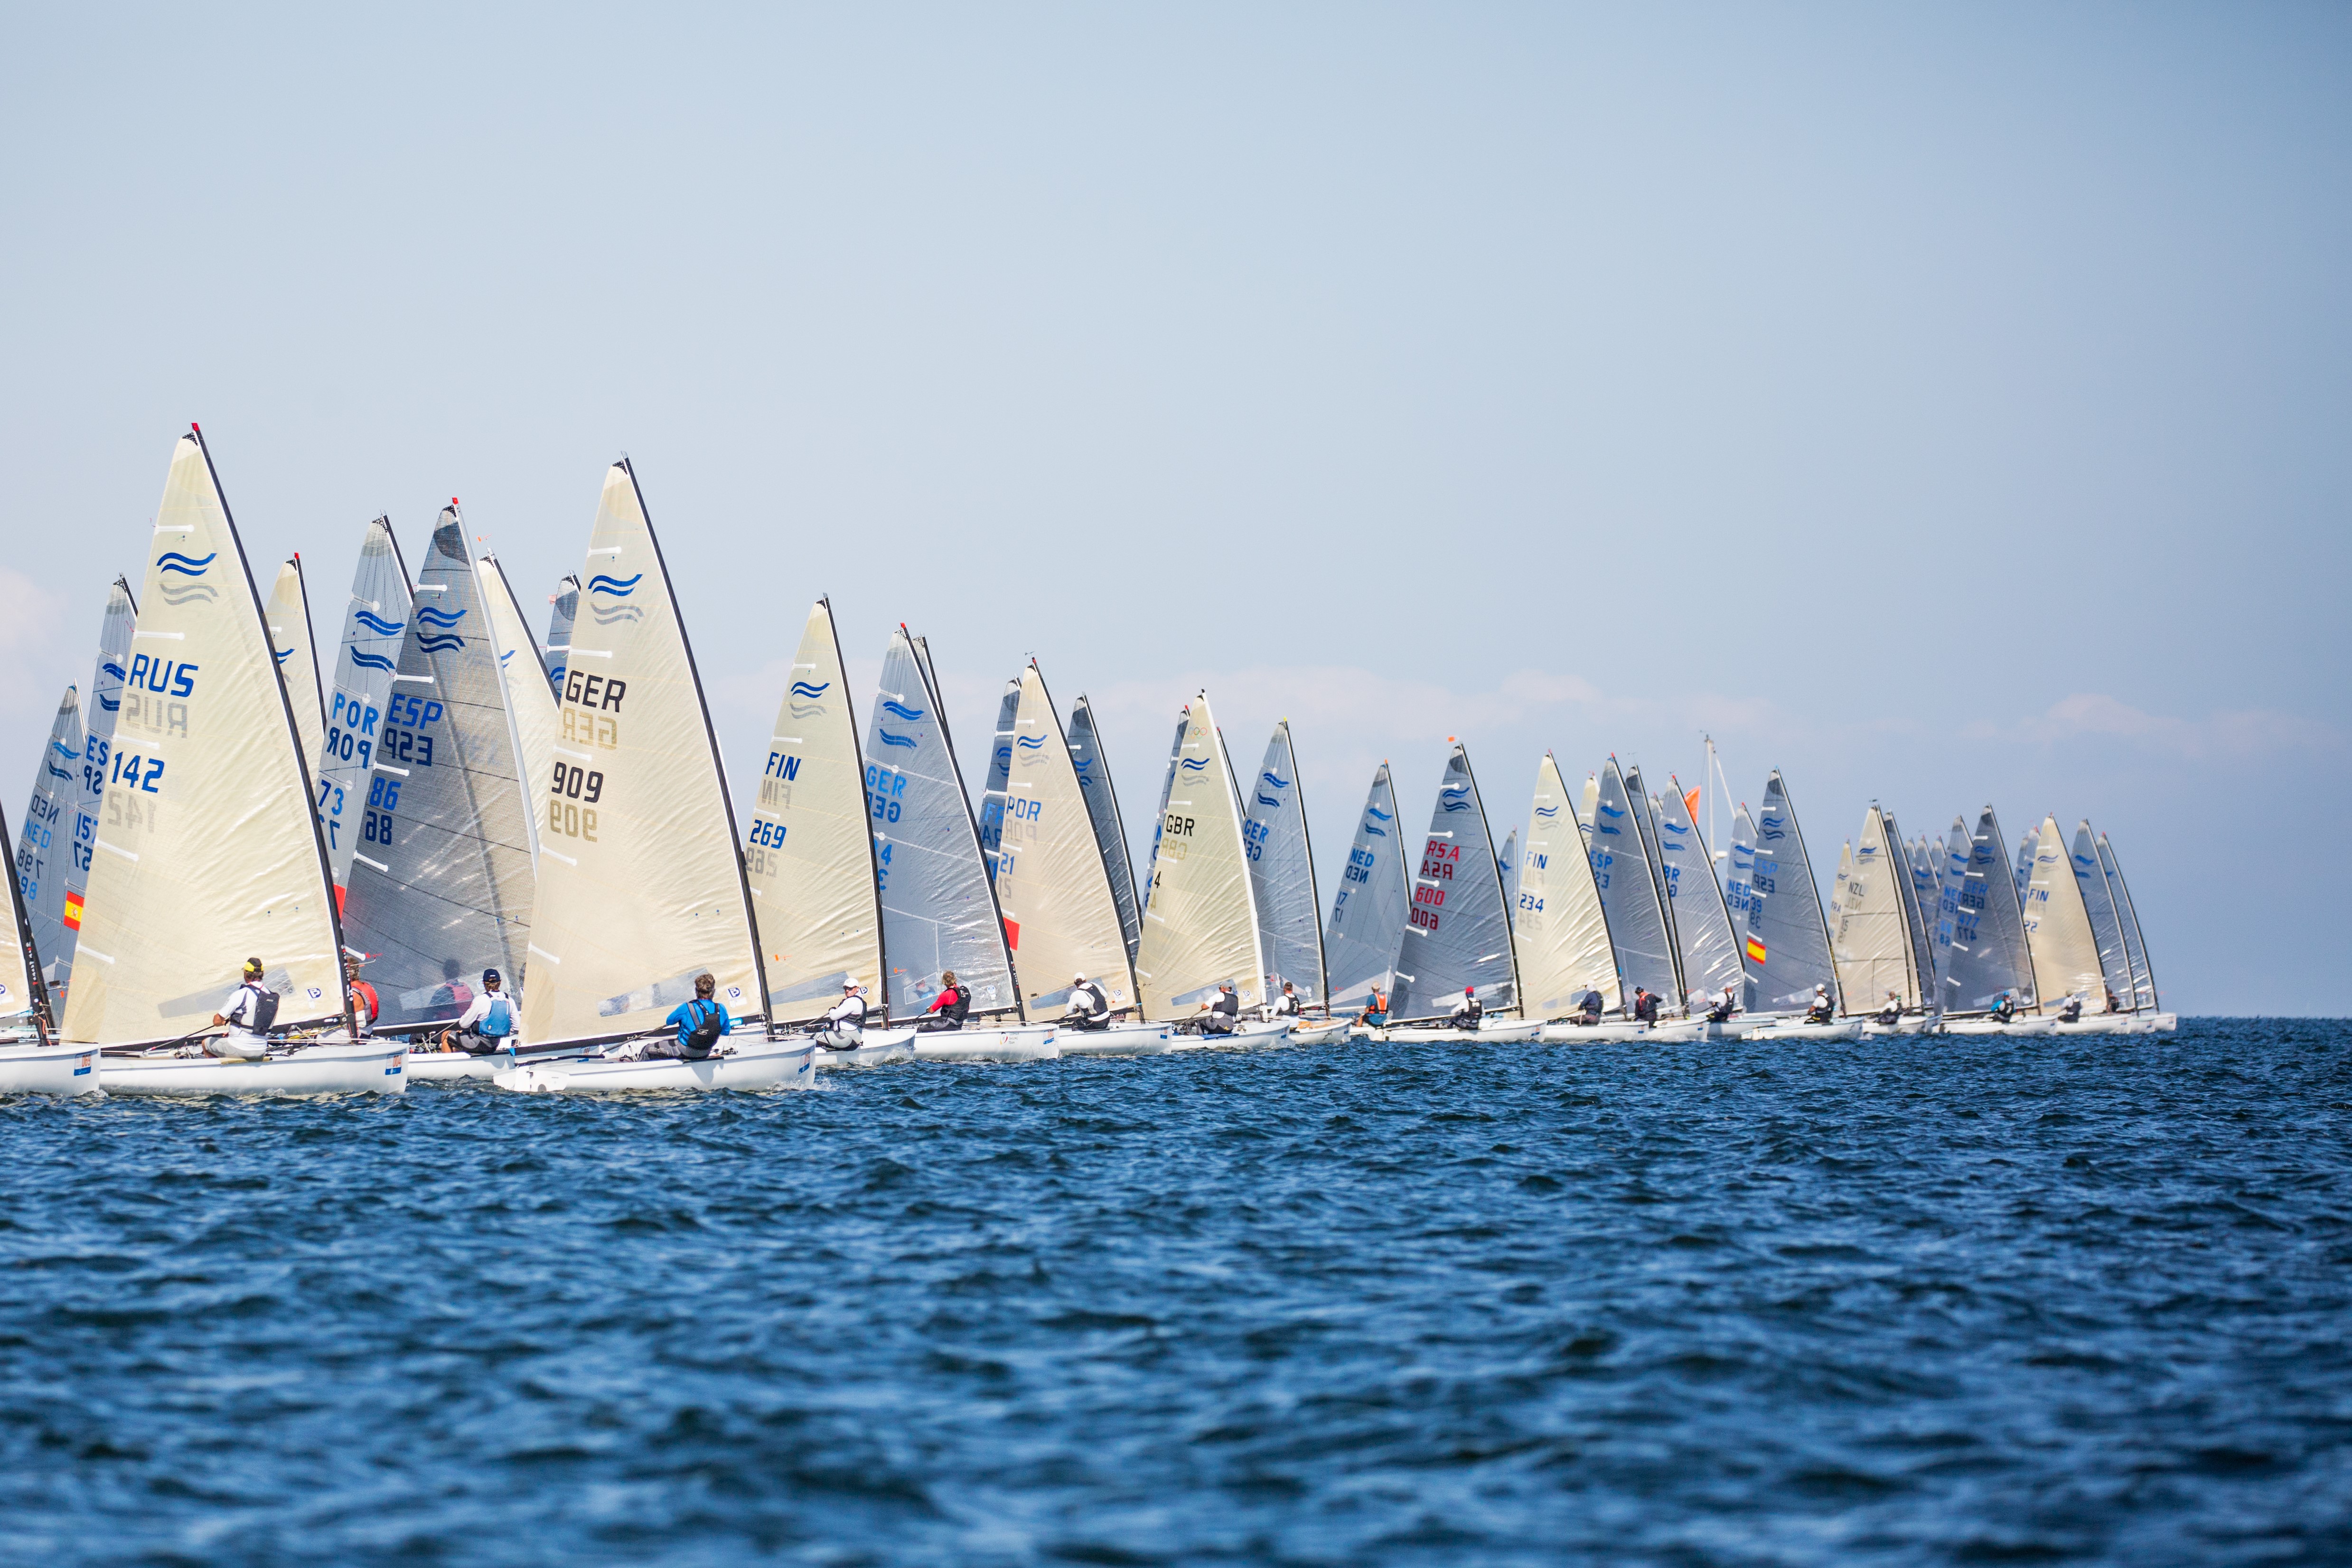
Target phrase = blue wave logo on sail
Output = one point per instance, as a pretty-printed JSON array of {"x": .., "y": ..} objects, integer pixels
[
  {"x": 810, "y": 689},
  {"x": 1376, "y": 832},
  {"x": 1607, "y": 810},
  {"x": 67, "y": 752},
  {"x": 58, "y": 771},
  {"x": 172, "y": 561},
  {"x": 111, "y": 704},
  {"x": 1030, "y": 742},
  {"x": 1457, "y": 805},
  {"x": 114, "y": 669},
  {"x": 1277, "y": 781},
  {"x": 442, "y": 618},
  {"x": 284, "y": 654},
  {"x": 377, "y": 624},
  {"x": 1546, "y": 811},
  {"x": 617, "y": 587},
  {"x": 890, "y": 739},
  {"x": 504, "y": 657},
  {"x": 1376, "y": 811},
  {"x": 1193, "y": 765},
  {"x": 370, "y": 661},
  {"x": 440, "y": 644},
  {"x": 900, "y": 711},
  {"x": 1770, "y": 827},
  {"x": 1266, "y": 799}
]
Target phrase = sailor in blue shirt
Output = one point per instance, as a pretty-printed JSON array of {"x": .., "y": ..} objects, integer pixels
[{"x": 700, "y": 1024}]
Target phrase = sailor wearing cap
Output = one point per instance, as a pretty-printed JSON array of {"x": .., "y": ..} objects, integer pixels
[{"x": 843, "y": 1028}]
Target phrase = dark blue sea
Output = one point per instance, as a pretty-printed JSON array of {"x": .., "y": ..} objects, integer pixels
[{"x": 1903, "y": 1302}]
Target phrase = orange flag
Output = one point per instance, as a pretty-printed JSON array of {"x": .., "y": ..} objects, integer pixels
[{"x": 1690, "y": 803}]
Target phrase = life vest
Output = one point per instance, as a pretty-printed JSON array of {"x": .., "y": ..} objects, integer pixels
[
  {"x": 1286, "y": 1004},
  {"x": 499, "y": 1021},
  {"x": 371, "y": 1008},
  {"x": 958, "y": 1008},
  {"x": 1091, "y": 995}
]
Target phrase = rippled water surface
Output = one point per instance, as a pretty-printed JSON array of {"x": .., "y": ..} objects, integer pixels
[{"x": 1903, "y": 1302}]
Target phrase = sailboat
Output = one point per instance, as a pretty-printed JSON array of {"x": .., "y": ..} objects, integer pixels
[
  {"x": 641, "y": 885},
  {"x": 2059, "y": 935},
  {"x": 2107, "y": 931},
  {"x": 288, "y": 614},
  {"x": 1282, "y": 879},
  {"x": 1087, "y": 756},
  {"x": 1700, "y": 918},
  {"x": 1986, "y": 957},
  {"x": 1873, "y": 943},
  {"x": 1457, "y": 937},
  {"x": 1368, "y": 913},
  {"x": 1053, "y": 887},
  {"x": 441, "y": 887},
  {"x": 1630, "y": 897},
  {"x": 2145, "y": 1002},
  {"x": 809, "y": 855},
  {"x": 562, "y": 612},
  {"x": 30, "y": 1063},
  {"x": 374, "y": 621},
  {"x": 1200, "y": 920},
  {"x": 208, "y": 848},
  {"x": 97, "y": 747},
  {"x": 47, "y": 850},
  {"x": 531, "y": 705},
  {"x": 1559, "y": 931},
  {"x": 938, "y": 909},
  {"x": 1787, "y": 950}
]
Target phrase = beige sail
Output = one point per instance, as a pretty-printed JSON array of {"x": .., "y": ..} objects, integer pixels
[
  {"x": 640, "y": 880},
  {"x": 809, "y": 855},
  {"x": 1052, "y": 887},
  {"x": 1558, "y": 925},
  {"x": 298, "y": 658},
  {"x": 1200, "y": 922},
  {"x": 207, "y": 852},
  {"x": 531, "y": 700},
  {"x": 1869, "y": 942},
  {"x": 2058, "y": 932}
]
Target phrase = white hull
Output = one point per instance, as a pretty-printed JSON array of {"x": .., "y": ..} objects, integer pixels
[
  {"x": 1320, "y": 1034},
  {"x": 1119, "y": 1040},
  {"x": 1489, "y": 1032},
  {"x": 2159, "y": 1022},
  {"x": 2104, "y": 1024},
  {"x": 1245, "y": 1037},
  {"x": 755, "y": 1064},
  {"x": 874, "y": 1047},
  {"x": 443, "y": 1067},
  {"x": 1622, "y": 1030},
  {"x": 983, "y": 1043},
  {"x": 54, "y": 1070},
  {"x": 1795, "y": 1029},
  {"x": 1988, "y": 1026},
  {"x": 1913, "y": 1024},
  {"x": 370, "y": 1067}
]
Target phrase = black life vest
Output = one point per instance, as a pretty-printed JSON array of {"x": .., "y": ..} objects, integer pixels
[
  {"x": 1091, "y": 996},
  {"x": 961, "y": 1005}
]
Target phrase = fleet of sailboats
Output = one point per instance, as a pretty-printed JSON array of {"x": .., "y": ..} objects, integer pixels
[{"x": 463, "y": 798}]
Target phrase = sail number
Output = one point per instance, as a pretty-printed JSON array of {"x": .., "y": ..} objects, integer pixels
[
  {"x": 886, "y": 792},
  {"x": 572, "y": 794},
  {"x": 1439, "y": 859},
  {"x": 127, "y": 771},
  {"x": 1253, "y": 837},
  {"x": 771, "y": 834},
  {"x": 1359, "y": 866}
]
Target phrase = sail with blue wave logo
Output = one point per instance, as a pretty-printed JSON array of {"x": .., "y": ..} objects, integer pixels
[
  {"x": 288, "y": 614},
  {"x": 1739, "y": 869},
  {"x": 530, "y": 705},
  {"x": 1951, "y": 860},
  {"x": 47, "y": 849},
  {"x": 114, "y": 639},
  {"x": 2135, "y": 939},
  {"x": 1788, "y": 937},
  {"x": 938, "y": 912},
  {"x": 641, "y": 881},
  {"x": 2058, "y": 932},
  {"x": 2106, "y": 923},
  {"x": 1200, "y": 919},
  {"x": 1985, "y": 956},
  {"x": 809, "y": 854},
  {"x": 208, "y": 849},
  {"x": 1507, "y": 865},
  {"x": 376, "y": 620},
  {"x": 1455, "y": 932},
  {"x": 1630, "y": 895},
  {"x": 1559, "y": 929},
  {"x": 1701, "y": 919},
  {"x": 441, "y": 884},
  {"x": 1282, "y": 872},
  {"x": 999, "y": 767},
  {"x": 1368, "y": 912},
  {"x": 562, "y": 610},
  {"x": 1093, "y": 765},
  {"x": 23, "y": 993},
  {"x": 1053, "y": 886}
]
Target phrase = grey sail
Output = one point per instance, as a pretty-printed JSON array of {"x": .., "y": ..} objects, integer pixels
[
  {"x": 1987, "y": 955},
  {"x": 1102, "y": 807},
  {"x": 1952, "y": 864},
  {"x": 2143, "y": 967},
  {"x": 1701, "y": 919},
  {"x": 1927, "y": 892},
  {"x": 938, "y": 912},
  {"x": 2025, "y": 863},
  {"x": 46, "y": 847},
  {"x": 441, "y": 884},
  {"x": 1507, "y": 864},
  {"x": 375, "y": 625},
  {"x": 2106, "y": 921},
  {"x": 1282, "y": 871},
  {"x": 1645, "y": 818},
  {"x": 1360, "y": 944},
  {"x": 1917, "y": 930},
  {"x": 1457, "y": 934},
  {"x": 1740, "y": 871},
  {"x": 1000, "y": 769},
  {"x": 563, "y": 608},
  {"x": 1785, "y": 924},
  {"x": 22, "y": 991},
  {"x": 97, "y": 746},
  {"x": 1167, "y": 792},
  {"x": 1629, "y": 895}
]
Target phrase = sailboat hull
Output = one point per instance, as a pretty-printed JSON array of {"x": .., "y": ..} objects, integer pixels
[
  {"x": 51, "y": 1069},
  {"x": 2102, "y": 1024},
  {"x": 448, "y": 1066},
  {"x": 1621, "y": 1029},
  {"x": 1912, "y": 1024},
  {"x": 377, "y": 1066},
  {"x": 1988, "y": 1026},
  {"x": 754, "y": 1065},
  {"x": 877, "y": 1047},
  {"x": 1320, "y": 1034},
  {"x": 1500, "y": 1032},
  {"x": 1119, "y": 1040},
  {"x": 1033, "y": 1043},
  {"x": 1245, "y": 1037},
  {"x": 1798, "y": 1029}
]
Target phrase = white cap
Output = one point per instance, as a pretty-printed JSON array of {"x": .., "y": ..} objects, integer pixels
[{"x": 1078, "y": 978}]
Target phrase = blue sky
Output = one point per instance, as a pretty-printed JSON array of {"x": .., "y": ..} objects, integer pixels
[{"x": 1941, "y": 405}]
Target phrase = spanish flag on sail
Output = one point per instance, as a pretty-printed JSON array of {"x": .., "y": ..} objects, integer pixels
[
  {"x": 73, "y": 911},
  {"x": 1755, "y": 949}
]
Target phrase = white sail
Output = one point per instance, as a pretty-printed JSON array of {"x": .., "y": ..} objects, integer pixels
[
  {"x": 208, "y": 850},
  {"x": 22, "y": 991},
  {"x": 1918, "y": 943},
  {"x": 531, "y": 703},
  {"x": 562, "y": 612},
  {"x": 999, "y": 768},
  {"x": 2143, "y": 968},
  {"x": 2058, "y": 932},
  {"x": 1200, "y": 922},
  {"x": 1702, "y": 920},
  {"x": 1282, "y": 871},
  {"x": 1093, "y": 764},
  {"x": 1589, "y": 802},
  {"x": 376, "y": 620},
  {"x": 1052, "y": 886},
  {"x": 289, "y": 614},
  {"x": 441, "y": 886},
  {"x": 810, "y": 853},
  {"x": 46, "y": 851},
  {"x": 937, "y": 912},
  {"x": 1457, "y": 934},
  {"x": 1629, "y": 894},
  {"x": 1559, "y": 928},
  {"x": 1368, "y": 913},
  {"x": 97, "y": 747},
  {"x": 641, "y": 883},
  {"x": 1788, "y": 939},
  {"x": 2106, "y": 925},
  {"x": 1868, "y": 942}
]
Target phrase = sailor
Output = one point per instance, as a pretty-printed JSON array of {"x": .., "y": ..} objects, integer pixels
[
  {"x": 1724, "y": 1008},
  {"x": 700, "y": 1025},
  {"x": 2004, "y": 1008},
  {"x": 1820, "y": 1010},
  {"x": 2115, "y": 1003},
  {"x": 845, "y": 1027},
  {"x": 248, "y": 1012},
  {"x": 1286, "y": 1004},
  {"x": 487, "y": 1024},
  {"x": 1376, "y": 1011},
  {"x": 1892, "y": 1014},
  {"x": 366, "y": 1006},
  {"x": 1088, "y": 1007},
  {"x": 947, "y": 1008},
  {"x": 1221, "y": 1011},
  {"x": 2071, "y": 1012},
  {"x": 1646, "y": 1006},
  {"x": 1466, "y": 1012},
  {"x": 1587, "y": 1008}
]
